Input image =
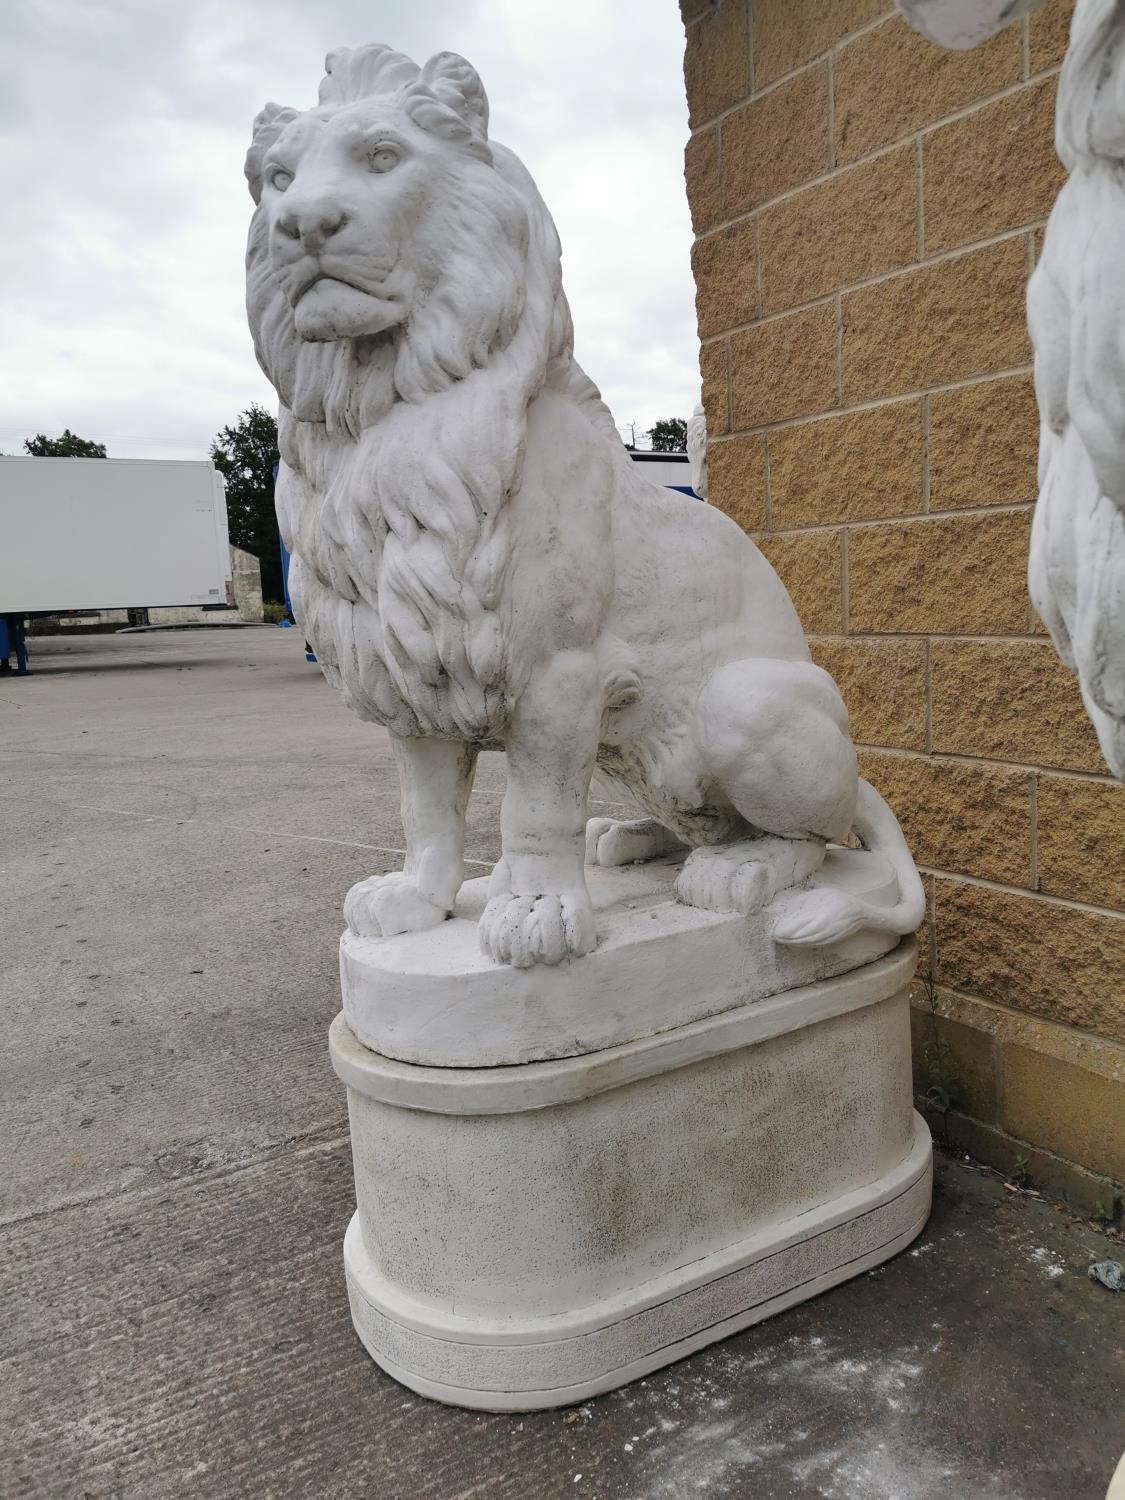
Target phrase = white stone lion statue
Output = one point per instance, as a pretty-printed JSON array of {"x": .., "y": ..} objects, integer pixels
[
  {"x": 1076, "y": 309},
  {"x": 479, "y": 564},
  {"x": 1076, "y": 313}
]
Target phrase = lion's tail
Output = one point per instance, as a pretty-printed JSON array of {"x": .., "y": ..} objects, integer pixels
[{"x": 822, "y": 915}]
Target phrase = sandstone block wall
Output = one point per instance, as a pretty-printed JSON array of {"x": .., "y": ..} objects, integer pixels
[{"x": 867, "y": 210}]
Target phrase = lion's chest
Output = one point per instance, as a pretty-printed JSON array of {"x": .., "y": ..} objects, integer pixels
[{"x": 372, "y": 608}]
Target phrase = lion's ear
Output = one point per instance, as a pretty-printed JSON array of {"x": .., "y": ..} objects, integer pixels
[
  {"x": 268, "y": 125},
  {"x": 457, "y": 84}
]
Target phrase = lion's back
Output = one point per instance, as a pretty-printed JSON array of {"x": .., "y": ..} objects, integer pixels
[{"x": 690, "y": 563}]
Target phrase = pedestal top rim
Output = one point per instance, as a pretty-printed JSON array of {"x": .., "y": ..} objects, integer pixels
[
  {"x": 513, "y": 1088},
  {"x": 434, "y": 999}
]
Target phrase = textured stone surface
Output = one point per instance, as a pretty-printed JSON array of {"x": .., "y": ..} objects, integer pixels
[
  {"x": 993, "y": 943},
  {"x": 973, "y": 819},
  {"x": 983, "y": 444},
  {"x": 855, "y": 225},
  {"x": 787, "y": 33},
  {"x": 945, "y": 322},
  {"x": 713, "y": 376},
  {"x": 1081, "y": 1049},
  {"x": 717, "y": 61},
  {"x": 701, "y": 174},
  {"x": 784, "y": 368},
  {"x": 883, "y": 684},
  {"x": 858, "y": 467},
  {"x": 993, "y": 170},
  {"x": 958, "y": 1058},
  {"x": 1063, "y": 1090},
  {"x": 776, "y": 142},
  {"x": 809, "y": 563},
  {"x": 1083, "y": 1191},
  {"x": 1075, "y": 1113},
  {"x": 691, "y": 10},
  {"x": 725, "y": 280},
  {"x": 924, "y": 937},
  {"x": 961, "y": 575},
  {"x": 1081, "y": 839},
  {"x": 737, "y": 473},
  {"x": 916, "y": 83},
  {"x": 1076, "y": 309},
  {"x": 1011, "y": 701},
  {"x": 1048, "y": 33}
]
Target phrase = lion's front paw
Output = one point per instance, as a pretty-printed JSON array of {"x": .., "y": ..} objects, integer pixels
[
  {"x": 725, "y": 880},
  {"x": 388, "y": 904},
  {"x": 526, "y": 930}
]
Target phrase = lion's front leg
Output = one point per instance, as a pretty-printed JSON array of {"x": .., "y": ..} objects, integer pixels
[
  {"x": 539, "y": 910},
  {"x": 435, "y": 778}
]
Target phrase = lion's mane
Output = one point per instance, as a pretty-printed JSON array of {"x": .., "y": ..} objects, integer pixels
[{"x": 400, "y": 453}]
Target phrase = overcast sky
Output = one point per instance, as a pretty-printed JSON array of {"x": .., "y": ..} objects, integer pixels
[{"x": 123, "y": 127}]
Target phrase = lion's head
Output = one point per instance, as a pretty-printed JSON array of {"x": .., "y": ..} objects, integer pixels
[{"x": 390, "y": 233}]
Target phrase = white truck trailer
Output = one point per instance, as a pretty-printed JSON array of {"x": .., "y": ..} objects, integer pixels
[
  {"x": 110, "y": 533},
  {"x": 673, "y": 470}
]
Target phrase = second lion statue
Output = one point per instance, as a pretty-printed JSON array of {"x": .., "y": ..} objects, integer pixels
[{"x": 479, "y": 564}]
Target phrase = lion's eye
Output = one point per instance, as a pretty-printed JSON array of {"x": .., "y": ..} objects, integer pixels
[
  {"x": 280, "y": 179},
  {"x": 382, "y": 159}
]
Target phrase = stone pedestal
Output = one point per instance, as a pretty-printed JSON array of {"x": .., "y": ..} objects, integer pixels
[{"x": 532, "y": 1232}]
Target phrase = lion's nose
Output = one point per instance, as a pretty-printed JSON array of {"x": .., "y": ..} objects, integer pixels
[{"x": 312, "y": 223}]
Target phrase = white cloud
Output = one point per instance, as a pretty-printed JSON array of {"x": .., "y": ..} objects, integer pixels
[{"x": 122, "y": 132}]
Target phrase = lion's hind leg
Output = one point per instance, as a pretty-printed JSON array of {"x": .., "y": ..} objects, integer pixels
[
  {"x": 746, "y": 876},
  {"x": 774, "y": 741}
]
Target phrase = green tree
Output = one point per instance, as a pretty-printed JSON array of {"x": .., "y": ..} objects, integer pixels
[
  {"x": 669, "y": 435},
  {"x": 67, "y": 446},
  {"x": 245, "y": 455}
]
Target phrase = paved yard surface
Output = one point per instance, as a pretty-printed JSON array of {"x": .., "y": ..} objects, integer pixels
[{"x": 180, "y": 816}]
